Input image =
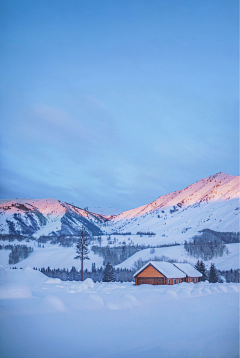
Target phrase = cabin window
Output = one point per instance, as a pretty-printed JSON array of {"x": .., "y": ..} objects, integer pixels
[
  {"x": 169, "y": 282},
  {"x": 193, "y": 280},
  {"x": 174, "y": 281}
]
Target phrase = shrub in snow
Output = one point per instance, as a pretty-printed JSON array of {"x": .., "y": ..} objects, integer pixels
[{"x": 88, "y": 283}]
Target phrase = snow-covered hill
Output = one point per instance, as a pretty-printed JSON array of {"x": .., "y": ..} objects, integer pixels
[
  {"x": 46, "y": 217},
  {"x": 212, "y": 202},
  {"x": 229, "y": 260}
]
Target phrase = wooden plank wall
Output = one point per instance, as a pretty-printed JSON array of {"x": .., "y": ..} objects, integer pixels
[{"x": 150, "y": 271}]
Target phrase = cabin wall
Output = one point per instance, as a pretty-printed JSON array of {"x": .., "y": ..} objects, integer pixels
[
  {"x": 193, "y": 279},
  {"x": 150, "y": 271},
  {"x": 151, "y": 275}
]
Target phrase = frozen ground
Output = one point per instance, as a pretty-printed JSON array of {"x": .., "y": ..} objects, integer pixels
[{"x": 42, "y": 317}]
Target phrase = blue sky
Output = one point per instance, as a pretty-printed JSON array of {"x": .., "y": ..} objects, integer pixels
[{"x": 114, "y": 103}]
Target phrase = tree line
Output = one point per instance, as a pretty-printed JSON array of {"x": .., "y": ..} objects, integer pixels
[{"x": 96, "y": 274}]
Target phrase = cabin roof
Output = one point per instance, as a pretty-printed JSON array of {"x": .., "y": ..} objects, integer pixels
[
  {"x": 165, "y": 268},
  {"x": 188, "y": 269}
]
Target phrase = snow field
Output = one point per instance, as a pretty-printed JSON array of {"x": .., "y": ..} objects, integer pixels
[{"x": 73, "y": 319}]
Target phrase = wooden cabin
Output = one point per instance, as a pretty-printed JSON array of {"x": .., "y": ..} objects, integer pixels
[
  {"x": 159, "y": 273},
  {"x": 192, "y": 275}
]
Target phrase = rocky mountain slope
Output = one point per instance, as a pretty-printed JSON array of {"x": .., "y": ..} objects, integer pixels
[{"x": 46, "y": 217}]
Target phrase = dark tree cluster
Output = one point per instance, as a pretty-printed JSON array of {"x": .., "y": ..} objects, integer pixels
[
  {"x": 109, "y": 274},
  {"x": 63, "y": 240},
  {"x": 210, "y": 244},
  {"x": 96, "y": 274},
  {"x": 201, "y": 267},
  {"x": 213, "y": 274},
  {"x": 12, "y": 237},
  {"x": 204, "y": 249},
  {"x": 146, "y": 233},
  {"x": 121, "y": 233},
  {"x": 227, "y": 237},
  {"x": 18, "y": 253},
  {"x": 230, "y": 275}
]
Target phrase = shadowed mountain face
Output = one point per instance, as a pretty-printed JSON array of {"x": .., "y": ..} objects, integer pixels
[
  {"x": 212, "y": 202},
  {"x": 46, "y": 217}
]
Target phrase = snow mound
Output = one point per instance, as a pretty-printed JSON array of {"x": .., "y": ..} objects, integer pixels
[
  {"x": 31, "y": 276},
  {"x": 53, "y": 280},
  {"x": 96, "y": 300},
  {"x": 129, "y": 301},
  {"x": 55, "y": 302},
  {"x": 81, "y": 286},
  {"x": 170, "y": 293},
  {"x": 126, "y": 301}
]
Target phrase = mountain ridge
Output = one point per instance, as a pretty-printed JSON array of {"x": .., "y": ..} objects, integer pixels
[{"x": 211, "y": 202}]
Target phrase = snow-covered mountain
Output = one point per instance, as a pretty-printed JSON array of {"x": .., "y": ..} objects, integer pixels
[
  {"x": 46, "y": 217},
  {"x": 212, "y": 202}
]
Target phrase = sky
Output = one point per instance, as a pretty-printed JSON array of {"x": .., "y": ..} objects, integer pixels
[{"x": 114, "y": 103}]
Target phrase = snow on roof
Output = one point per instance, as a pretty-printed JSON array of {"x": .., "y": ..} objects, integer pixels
[
  {"x": 188, "y": 269},
  {"x": 166, "y": 268}
]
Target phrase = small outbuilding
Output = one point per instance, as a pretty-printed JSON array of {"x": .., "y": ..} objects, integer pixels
[
  {"x": 192, "y": 275},
  {"x": 159, "y": 273}
]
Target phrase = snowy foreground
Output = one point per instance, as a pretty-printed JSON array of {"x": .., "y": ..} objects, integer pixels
[{"x": 45, "y": 317}]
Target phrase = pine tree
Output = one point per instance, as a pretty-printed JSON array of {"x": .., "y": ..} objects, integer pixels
[
  {"x": 213, "y": 276},
  {"x": 82, "y": 248},
  {"x": 200, "y": 266},
  {"x": 108, "y": 273}
]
